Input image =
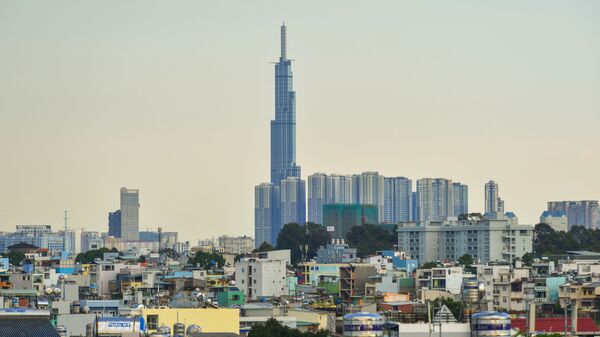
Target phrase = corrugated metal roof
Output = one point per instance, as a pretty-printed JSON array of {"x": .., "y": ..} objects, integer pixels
[{"x": 26, "y": 326}]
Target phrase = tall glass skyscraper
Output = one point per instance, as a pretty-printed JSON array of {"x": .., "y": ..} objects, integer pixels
[
  {"x": 290, "y": 205},
  {"x": 130, "y": 214},
  {"x": 283, "y": 128}
]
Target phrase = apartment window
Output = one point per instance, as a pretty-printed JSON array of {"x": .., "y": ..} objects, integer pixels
[{"x": 152, "y": 322}]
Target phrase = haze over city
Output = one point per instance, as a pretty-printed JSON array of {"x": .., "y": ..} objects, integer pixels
[{"x": 175, "y": 100}]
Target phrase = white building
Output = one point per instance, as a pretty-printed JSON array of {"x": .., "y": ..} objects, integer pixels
[
  {"x": 130, "y": 213},
  {"x": 556, "y": 219},
  {"x": 495, "y": 238},
  {"x": 235, "y": 244},
  {"x": 442, "y": 279},
  {"x": 263, "y": 276}
]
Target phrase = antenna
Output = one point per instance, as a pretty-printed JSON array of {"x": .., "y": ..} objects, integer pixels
[{"x": 66, "y": 241}]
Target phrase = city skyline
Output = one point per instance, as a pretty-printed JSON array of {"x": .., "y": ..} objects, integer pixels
[{"x": 68, "y": 143}]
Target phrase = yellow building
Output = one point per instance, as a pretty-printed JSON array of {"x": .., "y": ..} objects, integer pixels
[{"x": 210, "y": 320}]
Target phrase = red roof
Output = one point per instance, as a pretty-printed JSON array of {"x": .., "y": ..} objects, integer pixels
[{"x": 584, "y": 324}]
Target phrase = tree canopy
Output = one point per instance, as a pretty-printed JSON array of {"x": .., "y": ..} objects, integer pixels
[
  {"x": 15, "y": 258},
  {"x": 294, "y": 235},
  {"x": 466, "y": 260},
  {"x": 550, "y": 242},
  {"x": 91, "y": 255},
  {"x": 369, "y": 239},
  {"x": 264, "y": 247},
  {"x": 207, "y": 260},
  {"x": 273, "y": 328}
]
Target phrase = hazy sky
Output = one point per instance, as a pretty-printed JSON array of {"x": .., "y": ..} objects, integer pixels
[{"x": 175, "y": 98}]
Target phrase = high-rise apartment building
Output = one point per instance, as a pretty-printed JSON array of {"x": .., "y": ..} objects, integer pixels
[
  {"x": 326, "y": 189},
  {"x": 495, "y": 238},
  {"x": 584, "y": 213},
  {"x": 130, "y": 214},
  {"x": 397, "y": 193},
  {"x": 492, "y": 198},
  {"x": 342, "y": 189},
  {"x": 435, "y": 198},
  {"x": 266, "y": 213},
  {"x": 319, "y": 194},
  {"x": 461, "y": 199},
  {"x": 283, "y": 159},
  {"x": 370, "y": 189},
  {"x": 114, "y": 224},
  {"x": 292, "y": 201},
  {"x": 40, "y": 236}
]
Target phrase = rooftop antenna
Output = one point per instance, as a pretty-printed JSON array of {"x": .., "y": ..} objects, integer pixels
[{"x": 66, "y": 241}]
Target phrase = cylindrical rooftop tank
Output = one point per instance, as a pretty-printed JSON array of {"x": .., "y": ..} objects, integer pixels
[
  {"x": 470, "y": 291},
  {"x": 363, "y": 324},
  {"x": 178, "y": 330},
  {"x": 490, "y": 323}
]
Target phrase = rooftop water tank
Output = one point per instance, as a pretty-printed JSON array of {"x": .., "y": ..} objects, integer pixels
[
  {"x": 363, "y": 324},
  {"x": 490, "y": 323}
]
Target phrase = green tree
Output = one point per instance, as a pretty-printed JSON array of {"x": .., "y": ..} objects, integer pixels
[
  {"x": 91, "y": 255},
  {"x": 466, "y": 260},
  {"x": 369, "y": 239},
  {"x": 264, "y": 247},
  {"x": 207, "y": 260},
  {"x": 297, "y": 237},
  {"x": 272, "y": 328},
  {"x": 15, "y": 258},
  {"x": 429, "y": 265},
  {"x": 527, "y": 259}
]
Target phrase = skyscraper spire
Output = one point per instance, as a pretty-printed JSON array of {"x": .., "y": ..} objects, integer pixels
[{"x": 283, "y": 42}]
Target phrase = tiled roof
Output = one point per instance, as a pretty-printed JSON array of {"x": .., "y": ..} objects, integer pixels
[
  {"x": 585, "y": 324},
  {"x": 26, "y": 326}
]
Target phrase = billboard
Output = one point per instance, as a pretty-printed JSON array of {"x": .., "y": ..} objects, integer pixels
[{"x": 118, "y": 325}]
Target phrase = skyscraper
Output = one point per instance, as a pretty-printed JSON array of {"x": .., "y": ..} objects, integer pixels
[
  {"x": 283, "y": 127},
  {"x": 266, "y": 213},
  {"x": 435, "y": 199},
  {"x": 491, "y": 197},
  {"x": 397, "y": 199},
  {"x": 292, "y": 202},
  {"x": 370, "y": 187},
  {"x": 319, "y": 194},
  {"x": 130, "y": 214},
  {"x": 461, "y": 199},
  {"x": 584, "y": 213},
  {"x": 283, "y": 158},
  {"x": 114, "y": 224}
]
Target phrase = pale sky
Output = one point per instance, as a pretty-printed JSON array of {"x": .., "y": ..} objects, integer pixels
[{"x": 175, "y": 98}]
